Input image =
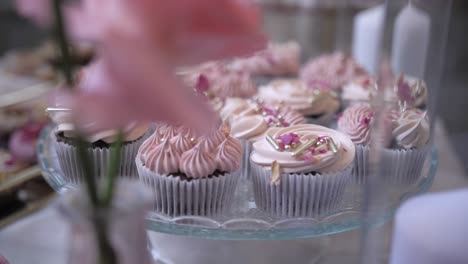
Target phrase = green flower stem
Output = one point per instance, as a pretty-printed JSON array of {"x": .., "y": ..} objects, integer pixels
[
  {"x": 114, "y": 165},
  {"x": 62, "y": 39},
  {"x": 87, "y": 165},
  {"x": 106, "y": 251}
]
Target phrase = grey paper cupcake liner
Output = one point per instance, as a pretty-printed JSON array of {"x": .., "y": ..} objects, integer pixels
[
  {"x": 361, "y": 168},
  {"x": 400, "y": 166},
  {"x": 245, "y": 162},
  {"x": 73, "y": 171},
  {"x": 403, "y": 166},
  {"x": 299, "y": 195},
  {"x": 176, "y": 197}
]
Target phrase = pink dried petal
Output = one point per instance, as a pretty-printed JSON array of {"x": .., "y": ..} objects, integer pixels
[
  {"x": 404, "y": 90},
  {"x": 202, "y": 84},
  {"x": 323, "y": 151}
]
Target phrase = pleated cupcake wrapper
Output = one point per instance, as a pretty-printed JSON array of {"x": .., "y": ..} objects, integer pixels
[
  {"x": 404, "y": 166},
  {"x": 299, "y": 195},
  {"x": 245, "y": 162},
  {"x": 399, "y": 166},
  {"x": 324, "y": 120},
  {"x": 176, "y": 197},
  {"x": 361, "y": 167},
  {"x": 73, "y": 170}
]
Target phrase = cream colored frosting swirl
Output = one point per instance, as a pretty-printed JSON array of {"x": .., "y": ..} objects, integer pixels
[
  {"x": 337, "y": 69},
  {"x": 411, "y": 90},
  {"x": 64, "y": 121},
  {"x": 299, "y": 97},
  {"x": 356, "y": 123},
  {"x": 277, "y": 59},
  {"x": 248, "y": 127},
  {"x": 197, "y": 162},
  {"x": 229, "y": 155},
  {"x": 233, "y": 106},
  {"x": 163, "y": 158},
  {"x": 412, "y": 129},
  {"x": 360, "y": 89},
  {"x": 322, "y": 162},
  {"x": 251, "y": 119}
]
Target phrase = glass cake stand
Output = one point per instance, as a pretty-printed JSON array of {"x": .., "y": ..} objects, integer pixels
[{"x": 244, "y": 221}]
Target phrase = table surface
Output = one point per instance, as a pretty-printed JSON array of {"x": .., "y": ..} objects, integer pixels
[{"x": 41, "y": 238}]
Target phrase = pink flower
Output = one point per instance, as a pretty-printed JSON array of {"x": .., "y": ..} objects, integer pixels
[
  {"x": 187, "y": 31},
  {"x": 139, "y": 43},
  {"x": 37, "y": 10},
  {"x": 112, "y": 100}
]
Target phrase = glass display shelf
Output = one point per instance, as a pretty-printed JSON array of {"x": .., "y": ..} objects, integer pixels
[{"x": 244, "y": 221}]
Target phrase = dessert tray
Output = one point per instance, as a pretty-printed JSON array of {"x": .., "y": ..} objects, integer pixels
[{"x": 245, "y": 222}]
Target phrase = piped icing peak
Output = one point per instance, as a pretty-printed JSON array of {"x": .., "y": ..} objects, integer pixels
[
  {"x": 304, "y": 148},
  {"x": 356, "y": 123},
  {"x": 229, "y": 155},
  {"x": 412, "y": 129},
  {"x": 163, "y": 159},
  {"x": 180, "y": 153},
  {"x": 197, "y": 162}
]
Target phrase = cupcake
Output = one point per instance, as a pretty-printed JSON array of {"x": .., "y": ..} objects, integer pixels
[
  {"x": 403, "y": 156},
  {"x": 217, "y": 80},
  {"x": 335, "y": 69},
  {"x": 191, "y": 177},
  {"x": 361, "y": 89},
  {"x": 301, "y": 171},
  {"x": 317, "y": 103},
  {"x": 277, "y": 59},
  {"x": 250, "y": 119},
  {"x": 355, "y": 122},
  {"x": 98, "y": 146},
  {"x": 404, "y": 160}
]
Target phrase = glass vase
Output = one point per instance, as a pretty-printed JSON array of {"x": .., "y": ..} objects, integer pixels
[{"x": 118, "y": 231}]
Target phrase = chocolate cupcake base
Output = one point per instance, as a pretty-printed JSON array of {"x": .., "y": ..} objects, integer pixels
[{"x": 176, "y": 195}]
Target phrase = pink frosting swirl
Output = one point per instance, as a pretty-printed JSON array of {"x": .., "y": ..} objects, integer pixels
[
  {"x": 290, "y": 116},
  {"x": 356, "y": 121},
  {"x": 211, "y": 142},
  {"x": 229, "y": 155},
  {"x": 197, "y": 162},
  {"x": 163, "y": 159},
  {"x": 221, "y": 81},
  {"x": 322, "y": 161},
  {"x": 181, "y": 143},
  {"x": 337, "y": 69},
  {"x": 277, "y": 59}
]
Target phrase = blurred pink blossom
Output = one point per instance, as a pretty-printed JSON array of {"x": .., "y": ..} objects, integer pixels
[
  {"x": 37, "y": 10},
  {"x": 139, "y": 44},
  {"x": 106, "y": 99},
  {"x": 186, "y": 31}
]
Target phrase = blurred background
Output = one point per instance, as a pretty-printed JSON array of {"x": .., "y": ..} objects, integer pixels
[{"x": 16, "y": 32}]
